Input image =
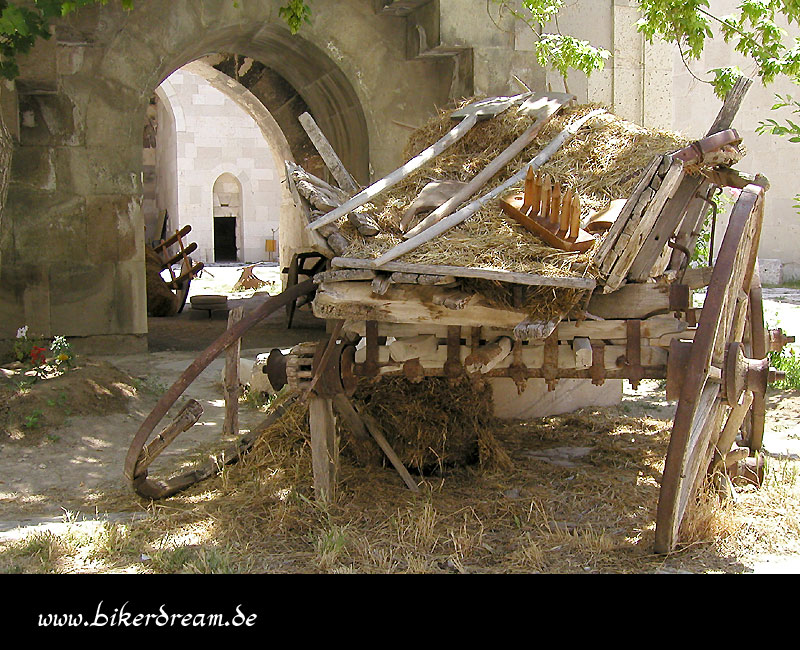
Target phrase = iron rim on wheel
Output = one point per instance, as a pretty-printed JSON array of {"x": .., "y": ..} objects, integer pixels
[{"x": 704, "y": 408}]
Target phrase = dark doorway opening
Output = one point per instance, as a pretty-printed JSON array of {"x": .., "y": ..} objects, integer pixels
[{"x": 225, "y": 239}]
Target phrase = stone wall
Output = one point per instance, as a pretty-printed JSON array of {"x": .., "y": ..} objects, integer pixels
[{"x": 72, "y": 233}]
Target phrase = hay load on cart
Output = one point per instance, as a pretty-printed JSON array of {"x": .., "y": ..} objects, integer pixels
[{"x": 527, "y": 240}]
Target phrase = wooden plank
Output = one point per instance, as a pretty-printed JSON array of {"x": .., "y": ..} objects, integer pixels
[
  {"x": 324, "y": 451},
  {"x": 640, "y": 230},
  {"x": 425, "y": 280},
  {"x": 631, "y": 301},
  {"x": 471, "y": 208},
  {"x": 544, "y": 107},
  {"x": 332, "y": 161},
  {"x": 405, "y": 304},
  {"x": 610, "y": 239},
  {"x": 230, "y": 425},
  {"x": 656, "y": 328},
  {"x": 344, "y": 275},
  {"x": 530, "y": 279},
  {"x": 399, "y": 174}
]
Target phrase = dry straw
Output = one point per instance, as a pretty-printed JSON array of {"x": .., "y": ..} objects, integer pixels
[{"x": 602, "y": 163}]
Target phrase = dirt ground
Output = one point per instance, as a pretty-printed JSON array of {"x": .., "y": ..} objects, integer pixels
[{"x": 65, "y": 448}]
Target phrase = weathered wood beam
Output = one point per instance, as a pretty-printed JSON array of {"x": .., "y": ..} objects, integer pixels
[{"x": 530, "y": 279}]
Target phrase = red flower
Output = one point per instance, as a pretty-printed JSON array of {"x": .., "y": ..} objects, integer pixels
[{"x": 38, "y": 355}]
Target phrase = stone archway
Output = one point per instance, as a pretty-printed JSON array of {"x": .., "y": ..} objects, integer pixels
[{"x": 73, "y": 238}]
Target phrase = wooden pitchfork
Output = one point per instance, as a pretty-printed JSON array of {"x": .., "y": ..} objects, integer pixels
[{"x": 548, "y": 212}]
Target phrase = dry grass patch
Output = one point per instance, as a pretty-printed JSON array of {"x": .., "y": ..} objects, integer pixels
[{"x": 593, "y": 513}]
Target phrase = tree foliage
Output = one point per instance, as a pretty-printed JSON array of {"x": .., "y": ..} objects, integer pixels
[
  {"x": 757, "y": 30},
  {"x": 21, "y": 26},
  {"x": 555, "y": 50},
  {"x": 754, "y": 30}
]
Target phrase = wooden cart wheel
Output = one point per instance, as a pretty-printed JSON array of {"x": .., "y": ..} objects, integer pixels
[{"x": 714, "y": 399}]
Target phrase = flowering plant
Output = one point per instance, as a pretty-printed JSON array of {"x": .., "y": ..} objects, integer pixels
[
  {"x": 23, "y": 345},
  {"x": 35, "y": 352},
  {"x": 38, "y": 355},
  {"x": 62, "y": 350}
]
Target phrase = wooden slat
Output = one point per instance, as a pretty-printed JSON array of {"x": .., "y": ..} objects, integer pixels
[
  {"x": 332, "y": 161},
  {"x": 666, "y": 225},
  {"x": 639, "y": 231},
  {"x": 530, "y": 279},
  {"x": 733, "y": 100}
]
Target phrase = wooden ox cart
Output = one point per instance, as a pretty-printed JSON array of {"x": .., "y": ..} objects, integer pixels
[{"x": 635, "y": 318}]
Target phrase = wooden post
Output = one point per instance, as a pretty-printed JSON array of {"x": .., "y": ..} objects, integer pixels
[
  {"x": 332, "y": 161},
  {"x": 324, "y": 447},
  {"x": 231, "y": 424}
]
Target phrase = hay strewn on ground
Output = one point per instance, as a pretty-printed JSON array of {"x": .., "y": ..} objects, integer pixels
[
  {"x": 602, "y": 163},
  {"x": 592, "y": 515}
]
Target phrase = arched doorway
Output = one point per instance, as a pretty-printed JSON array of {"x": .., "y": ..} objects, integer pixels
[{"x": 227, "y": 218}]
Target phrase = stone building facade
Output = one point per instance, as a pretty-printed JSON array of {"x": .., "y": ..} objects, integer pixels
[
  {"x": 72, "y": 232},
  {"x": 215, "y": 171}
]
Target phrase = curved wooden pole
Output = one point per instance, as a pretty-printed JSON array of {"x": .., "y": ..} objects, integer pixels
[{"x": 198, "y": 365}]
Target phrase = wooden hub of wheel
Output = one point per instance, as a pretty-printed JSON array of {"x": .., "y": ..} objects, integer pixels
[{"x": 740, "y": 374}]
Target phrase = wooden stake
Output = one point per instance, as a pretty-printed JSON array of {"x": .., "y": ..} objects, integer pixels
[
  {"x": 324, "y": 447},
  {"x": 230, "y": 427}
]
